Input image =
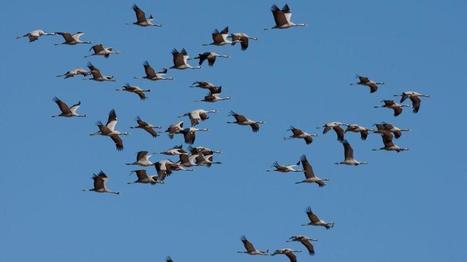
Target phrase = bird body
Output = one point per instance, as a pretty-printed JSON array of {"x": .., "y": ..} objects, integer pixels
[
  {"x": 151, "y": 74},
  {"x": 180, "y": 60},
  {"x": 210, "y": 57},
  {"x": 396, "y": 107},
  {"x": 283, "y": 17},
  {"x": 250, "y": 248},
  {"x": 135, "y": 89},
  {"x": 241, "y": 38},
  {"x": 244, "y": 121},
  {"x": 142, "y": 20},
  {"x": 220, "y": 38},
  {"x": 198, "y": 115},
  {"x": 316, "y": 221},
  {"x": 174, "y": 129},
  {"x": 284, "y": 168},
  {"x": 35, "y": 35},
  {"x": 100, "y": 184},
  {"x": 98, "y": 76},
  {"x": 74, "y": 72},
  {"x": 142, "y": 159},
  {"x": 365, "y": 81},
  {"x": 101, "y": 50},
  {"x": 298, "y": 133},
  {"x": 146, "y": 127}
]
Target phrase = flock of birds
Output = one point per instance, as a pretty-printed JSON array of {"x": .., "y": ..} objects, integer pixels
[{"x": 203, "y": 156}]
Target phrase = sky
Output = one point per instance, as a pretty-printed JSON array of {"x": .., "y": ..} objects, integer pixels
[{"x": 400, "y": 207}]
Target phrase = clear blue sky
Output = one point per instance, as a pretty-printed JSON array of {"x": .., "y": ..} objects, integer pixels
[{"x": 401, "y": 207}]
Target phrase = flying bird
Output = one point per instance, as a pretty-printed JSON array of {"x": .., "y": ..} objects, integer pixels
[
  {"x": 144, "y": 178},
  {"x": 298, "y": 133},
  {"x": 198, "y": 115},
  {"x": 392, "y": 105},
  {"x": 310, "y": 176},
  {"x": 244, "y": 121},
  {"x": 283, "y": 17},
  {"x": 67, "y": 111},
  {"x": 98, "y": 76},
  {"x": 241, "y": 38},
  {"x": 189, "y": 134},
  {"x": 174, "y": 129},
  {"x": 142, "y": 159},
  {"x": 284, "y": 168},
  {"x": 389, "y": 145},
  {"x": 142, "y": 20},
  {"x": 414, "y": 98},
  {"x": 214, "y": 97},
  {"x": 174, "y": 151},
  {"x": 336, "y": 126},
  {"x": 220, "y": 38},
  {"x": 288, "y": 252},
  {"x": 214, "y": 89},
  {"x": 348, "y": 156},
  {"x": 203, "y": 150},
  {"x": 100, "y": 184},
  {"x": 72, "y": 39},
  {"x": 100, "y": 50},
  {"x": 109, "y": 130},
  {"x": 383, "y": 126},
  {"x": 146, "y": 127},
  {"x": 134, "y": 89},
  {"x": 74, "y": 72},
  {"x": 205, "y": 160},
  {"x": 210, "y": 57},
  {"x": 35, "y": 35},
  {"x": 316, "y": 221},
  {"x": 365, "y": 81},
  {"x": 304, "y": 240},
  {"x": 151, "y": 74},
  {"x": 180, "y": 60},
  {"x": 250, "y": 248},
  {"x": 355, "y": 128}
]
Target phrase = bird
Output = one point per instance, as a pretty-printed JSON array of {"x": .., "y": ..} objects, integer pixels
[
  {"x": 383, "y": 126},
  {"x": 198, "y": 115},
  {"x": 336, "y": 126},
  {"x": 98, "y": 76},
  {"x": 204, "y": 150},
  {"x": 144, "y": 178},
  {"x": 205, "y": 160},
  {"x": 288, "y": 252},
  {"x": 100, "y": 184},
  {"x": 174, "y": 129},
  {"x": 134, "y": 89},
  {"x": 165, "y": 168},
  {"x": 210, "y": 57},
  {"x": 214, "y": 89},
  {"x": 151, "y": 74},
  {"x": 304, "y": 240},
  {"x": 389, "y": 145},
  {"x": 67, "y": 111},
  {"x": 284, "y": 168},
  {"x": 74, "y": 72},
  {"x": 72, "y": 39},
  {"x": 298, "y": 133},
  {"x": 186, "y": 160},
  {"x": 213, "y": 97},
  {"x": 365, "y": 81},
  {"x": 142, "y": 20},
  {"x": 243, "y": 120},
  {"x": 220, "y": 38},
  {"x": 146, "y": 127},
  {"x": 316, "y": 221},
  {"x": 414, "y": 98},
  {"x": 392, "y": 105},
  {"x": 174, "y": 151},
  {"x": 348, "y": 156},
  {"x": 180, "y": 60},
  {"x": 250, "y": 248},
  {"x": 241, "y": 38},
  {"x": 142, "y": 159},
  {"x": 109, "y": 130},
  {"x": 35, "y": 35},
  {"x": 189, "y": 134},
  {"x": 100, "y": 50},
  {"x": 310, "y": 176},
  {"x": 282, "y": 18},
  {"x": 357, "y": 129}
]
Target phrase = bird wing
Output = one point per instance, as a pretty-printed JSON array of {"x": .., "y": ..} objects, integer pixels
[
  {"x": 363, "y": 79},
  {"x": 247, "y": 244},
  {"x": 97, "y": 48},
  {"x": 307, "y": 169},
  {"x": 178, "y": 58},
  {"x": 254, "y": 127},
  {"x": 348, "y": 151},
  {"x": 339, "y": 132},
  {"x": 150, "y": 130},
  {"x": 308, "y": 139},
  {"x": 140, "y": 15},
  {"x": 387, "y": 139},
  {"x": 313, "y": 218},
  {"x": 415, "y": 103},
  {"x": 67, "y": 36},
  {"x": 112, "y": 120},
  {"x": 211, "y": 60},
  {"x": 296, "y": 131},
  {"x": 239, "y": 118},
  {"x": 99, "y": 181},
  {"x": 189, "y": 136},
  {"x": 141, "y": 174},
  {"x": 309, "y": 246},
  {"x": 118, "y": 142},
  {"x": 397, "y": 110},
  {"x": 244, "y": 42},
  {"x": 140, "y": 93},
  {"x": 141, "y": 155},
  {"x": 279, "y": 16},
  {"x": 217, "y": 37},
  {"x": 63, "y": 107},
  {"x": 292, "y": 257},
  {"x": 150, "y": 72},
  {"x": 373, "y": 87}
]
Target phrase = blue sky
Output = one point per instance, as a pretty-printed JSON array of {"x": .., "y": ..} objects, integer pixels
[{"x": 406, "y": 206}]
